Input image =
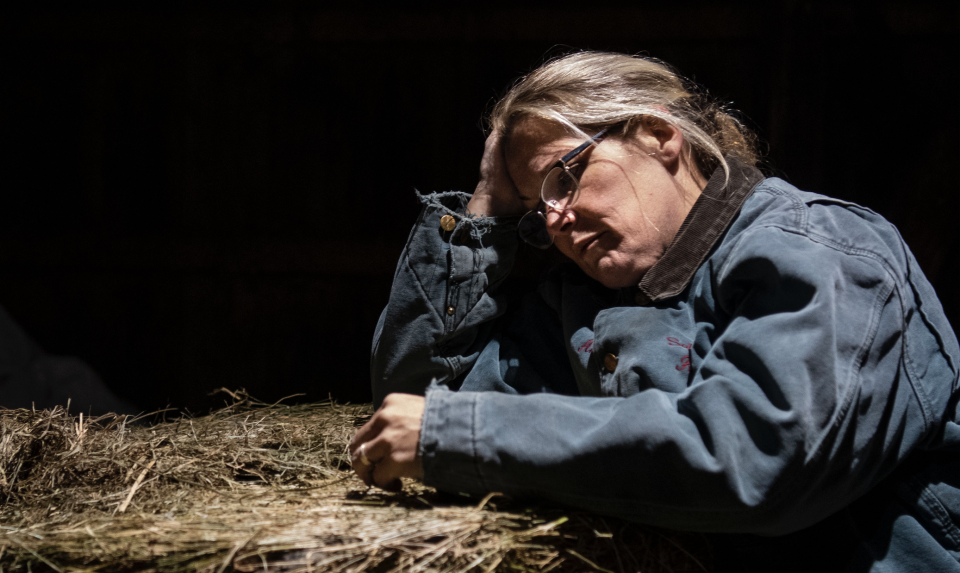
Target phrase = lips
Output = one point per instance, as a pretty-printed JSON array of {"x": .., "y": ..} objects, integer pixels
[{"x": 585, "y": 244}]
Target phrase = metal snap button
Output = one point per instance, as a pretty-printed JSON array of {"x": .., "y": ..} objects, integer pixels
[
  {"x": 610, "y": 362},
  {"x": 448, "y": 223}
]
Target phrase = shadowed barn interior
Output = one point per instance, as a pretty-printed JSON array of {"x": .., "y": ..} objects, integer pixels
[{"x": 215, "y": 196}]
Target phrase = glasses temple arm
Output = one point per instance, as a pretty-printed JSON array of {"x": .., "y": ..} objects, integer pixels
[{"x": 566, "y": 158}]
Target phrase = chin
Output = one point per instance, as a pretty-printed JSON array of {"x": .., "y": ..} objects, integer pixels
[{"x": 615, "y": 276}]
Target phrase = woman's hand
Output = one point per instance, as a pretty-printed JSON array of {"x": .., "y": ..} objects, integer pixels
[
  {"x": 385, "y": 448},
  {"x": 496, "y": 195}
]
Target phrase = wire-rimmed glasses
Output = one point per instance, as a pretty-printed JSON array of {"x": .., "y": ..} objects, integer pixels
[{"x": 560, "y": 190}]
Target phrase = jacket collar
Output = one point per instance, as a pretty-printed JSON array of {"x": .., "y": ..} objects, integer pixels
[{"x": 708, "y": 219}]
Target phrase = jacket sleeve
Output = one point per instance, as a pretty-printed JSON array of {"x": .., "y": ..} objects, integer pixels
[
  {"x": 447, "y": 318},
  {"x": 800, "y": 400}
]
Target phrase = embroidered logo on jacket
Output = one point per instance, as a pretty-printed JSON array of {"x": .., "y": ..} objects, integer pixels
[
  {"x": 586, "y": 346},
  {"x": 685, "y": 360}
]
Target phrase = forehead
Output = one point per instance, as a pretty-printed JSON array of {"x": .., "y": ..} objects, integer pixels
[{"x": 533, "y": 147}]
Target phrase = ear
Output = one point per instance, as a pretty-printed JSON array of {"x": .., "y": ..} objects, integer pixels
[{"x": 663, "y": 139}]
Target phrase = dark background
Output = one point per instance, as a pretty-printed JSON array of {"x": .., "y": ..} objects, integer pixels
[{"x": 195, "y": 197}]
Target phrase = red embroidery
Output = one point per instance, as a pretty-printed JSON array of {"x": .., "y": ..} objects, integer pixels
[
  {"x": 685, "y": 361},
  {"x": 586, "y": 346}
]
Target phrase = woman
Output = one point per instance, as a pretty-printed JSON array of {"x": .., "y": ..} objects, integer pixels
[{"x": 723, "y": 353}]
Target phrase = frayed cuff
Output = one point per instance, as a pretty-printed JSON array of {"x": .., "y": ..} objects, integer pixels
[{"x": 454, "y": 203}]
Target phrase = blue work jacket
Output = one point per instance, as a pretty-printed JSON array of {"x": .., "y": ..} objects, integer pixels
[{"x": 783, "y": 376}]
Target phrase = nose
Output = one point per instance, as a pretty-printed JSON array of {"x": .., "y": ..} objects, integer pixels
[{"x": 560, "y": 221}]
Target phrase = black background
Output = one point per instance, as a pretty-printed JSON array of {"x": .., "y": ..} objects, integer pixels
[{"x": 216, "y": 195}]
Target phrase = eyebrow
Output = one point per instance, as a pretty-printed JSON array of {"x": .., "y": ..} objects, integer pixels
[{"x": 579, "y": 149}]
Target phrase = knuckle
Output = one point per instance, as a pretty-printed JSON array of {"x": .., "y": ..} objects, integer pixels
[{"x": 389, "y": 417}]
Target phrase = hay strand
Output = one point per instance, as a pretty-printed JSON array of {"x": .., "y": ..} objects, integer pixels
[
  {"x": 136, "y": 484},
  {"x": 268, "y": 487}
]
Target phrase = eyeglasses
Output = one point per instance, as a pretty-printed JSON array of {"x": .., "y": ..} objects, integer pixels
[{"x": 559, "y": 191}]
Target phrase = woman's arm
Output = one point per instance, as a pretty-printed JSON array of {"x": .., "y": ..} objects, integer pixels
[
  {"x": 444, "y": 291},
  {"x": 441, "y": 319}
]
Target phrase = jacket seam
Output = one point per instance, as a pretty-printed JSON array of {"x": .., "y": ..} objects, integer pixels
[
  {"x": 473, "y": 299},
  {"x": 801, "y": 229},
  {"x": 936, "y": 507},
  {"x": 436, "y": 345},
  {"x": 797, "y": 206},
  {"x": 941, "y": 343},
  {"x": 406, "y": 247},
  {"x": 423, "y": 291},
  {"x": 926, "y": 409},
  {"x": 933, "y": 504},
  {"x": 474, "y": 283},
  {"x": 857, "y": 366},
  {"x": 449, "y": 322}
]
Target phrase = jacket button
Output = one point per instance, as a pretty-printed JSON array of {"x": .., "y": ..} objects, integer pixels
[
  {"x": 451, "y": 310},
  {"x": 610, "y": 362},
  {"x": 447, "y": 223}
]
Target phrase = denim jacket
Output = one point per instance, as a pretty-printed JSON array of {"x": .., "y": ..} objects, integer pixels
[{"x": 785, "y": 370}]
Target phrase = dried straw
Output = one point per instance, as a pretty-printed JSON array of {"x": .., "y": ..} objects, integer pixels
[{"x": 257, "y": 487}]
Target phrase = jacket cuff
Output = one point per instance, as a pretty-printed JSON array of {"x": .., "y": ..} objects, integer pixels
[
  {"x": 448, "y": 442},
  {"x": 476, "y": 254},
  {"x": 475, "y": 229}
]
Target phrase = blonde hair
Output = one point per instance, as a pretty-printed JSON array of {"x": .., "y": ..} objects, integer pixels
[{"x": 593, "y": 90}]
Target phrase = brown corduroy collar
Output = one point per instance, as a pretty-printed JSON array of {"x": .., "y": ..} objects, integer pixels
[{"x": 707, "y": 220}]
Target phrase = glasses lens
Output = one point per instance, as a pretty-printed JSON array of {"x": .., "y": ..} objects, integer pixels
[
  {"x": 533, "y": 230},
  {"x": 559, "y": 188}
]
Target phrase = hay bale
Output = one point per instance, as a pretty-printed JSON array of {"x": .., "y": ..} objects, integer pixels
[{"x": 257, "y": 487}]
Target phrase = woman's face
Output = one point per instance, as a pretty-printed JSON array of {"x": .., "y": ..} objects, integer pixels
[{"x": 634, "y": 195}]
